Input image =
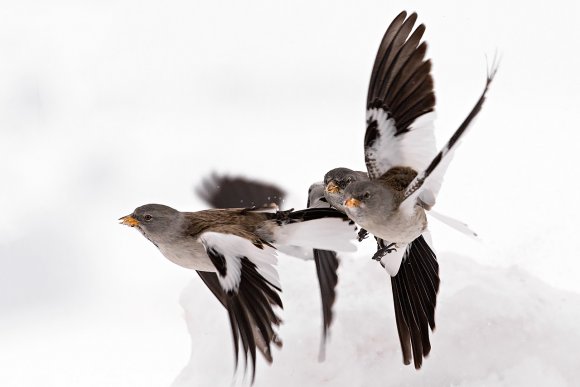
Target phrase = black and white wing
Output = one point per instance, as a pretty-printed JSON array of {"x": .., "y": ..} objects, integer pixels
[
  {"x": 233, "y": 192},
  {"x": 415, "y": 288},
  {"x": 212, "y": 282},
  {"x": 400, "y": 101},
  {"x": 236, "y": 192},
  {"x": 429, "y": 179},
  {"x": 326, "y": 269},
  {"x": 246, "y": 273}
]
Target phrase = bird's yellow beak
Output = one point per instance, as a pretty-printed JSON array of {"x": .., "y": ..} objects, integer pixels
[
  {"x": 332, "y": 187},
  {"x": 352, "y": 202},
  {"x": 129, "y": 221}
]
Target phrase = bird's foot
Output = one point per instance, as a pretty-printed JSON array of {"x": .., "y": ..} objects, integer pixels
[
  {"x": 384, "y": 251},
  {"x": 362, "y": 234}
]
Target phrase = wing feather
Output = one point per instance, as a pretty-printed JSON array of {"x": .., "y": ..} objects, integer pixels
[
  {"x": 327, "y": 263},
  {"x": 212, "y": 282},
  {"x": 389, "y": 36},
  {"x": 326, "y": 270},
  {"x": 400, "y": 93},
  {"x": 431, "y": 177},
  {"x": 221, "y": 191},
  {"x": 250, "y": 286}
]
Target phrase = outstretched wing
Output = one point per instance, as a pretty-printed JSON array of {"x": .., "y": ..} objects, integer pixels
[
  {"x": 237, "y": 192},
  {"x": 326, "y": 269},
  {"x": 430, "y": 179},
  {"x": 400, "y": 101},
  {"x": 246, "y": 274},
  {"x": 415, "y": 290}
]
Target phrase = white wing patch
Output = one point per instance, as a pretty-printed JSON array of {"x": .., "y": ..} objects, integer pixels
[
  {"x": 333, "y": 234},
  {"x": 415, "y": 148},
  {"x": 431, "y": 177},
  {"x": 435, "y": 180},
  {"x": 432, "y": 183},
  {"x": 233, "y": 248}
]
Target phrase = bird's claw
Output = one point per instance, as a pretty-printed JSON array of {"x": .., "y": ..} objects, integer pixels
[
  {"x": 384, "y": 251},
  {"x": 362, "y": 234}
]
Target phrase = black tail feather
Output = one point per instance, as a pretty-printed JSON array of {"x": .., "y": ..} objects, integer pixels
[{"x": 415, "y": 290}]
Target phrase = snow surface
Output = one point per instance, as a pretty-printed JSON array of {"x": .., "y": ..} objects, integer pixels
[
  {"x": 495, "y": 326},
  {"x": 108, "y": 106}
]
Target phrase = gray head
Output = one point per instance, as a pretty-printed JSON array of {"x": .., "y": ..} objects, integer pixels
[
  {"x": 368, "y": 197},
  {"x": 153, "y": 220},
  {"x": 339, "y": 178},
  {"x": 316, "y": 197},
  {"x": 336, "y": 181}
]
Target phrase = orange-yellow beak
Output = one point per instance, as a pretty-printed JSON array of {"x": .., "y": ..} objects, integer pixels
[
  {"x": 332, "y": 187},
  {"x": 352, "y": 202},
  {"x": 129, "y": 221}
]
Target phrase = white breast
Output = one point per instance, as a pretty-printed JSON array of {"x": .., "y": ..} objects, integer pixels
[
  {"x": 189, "y": 254},
  {"x": 398, "y": 228}
]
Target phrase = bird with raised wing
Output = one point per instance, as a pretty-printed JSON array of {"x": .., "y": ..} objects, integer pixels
[{"x": 404, "y": 176}]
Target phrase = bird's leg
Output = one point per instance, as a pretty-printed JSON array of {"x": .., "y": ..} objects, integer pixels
[
  {"x": 384, "y": 250},
  {"x": 362, "y": 234}
]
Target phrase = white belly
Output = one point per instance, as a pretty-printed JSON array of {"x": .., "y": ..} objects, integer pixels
[
  {"x": 189, "y": 254},
  {"x": 399, "y": 228}
]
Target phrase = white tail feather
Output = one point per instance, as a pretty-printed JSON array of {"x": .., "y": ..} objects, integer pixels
[
  {"x": 453, "y": 223},
  {"x": 325, "y": 234},
  {"x": 304, "y": 253}
]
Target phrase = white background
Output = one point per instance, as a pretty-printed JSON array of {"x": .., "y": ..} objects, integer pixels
[{"x": 105, "y": 106}]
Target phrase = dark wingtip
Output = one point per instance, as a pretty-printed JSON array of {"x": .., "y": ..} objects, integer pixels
[
  {"x": 412, "y": 18},
  {"x": 418, "y": 363},
  {"x": 223, "y": 191},
  {"x": 401, "y": 15}
]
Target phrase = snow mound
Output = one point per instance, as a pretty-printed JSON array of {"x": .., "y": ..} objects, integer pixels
[{"x": 495, "y": 326}]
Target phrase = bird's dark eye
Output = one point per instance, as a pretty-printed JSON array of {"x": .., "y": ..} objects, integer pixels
[
  {"x": 367, "y": 195},
  {"x": 147, "y": 217},
  {"x": 349, "y": 179}
]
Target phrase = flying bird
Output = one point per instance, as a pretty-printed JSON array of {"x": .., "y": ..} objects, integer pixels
[
  {"x": 237, "y": 247},
  {"x": 229, "y": 192},
  {"x": 404, "y": 174}
]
